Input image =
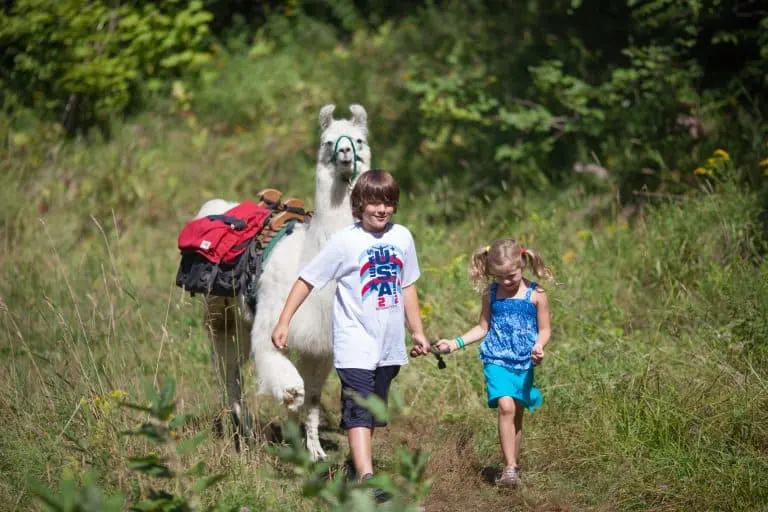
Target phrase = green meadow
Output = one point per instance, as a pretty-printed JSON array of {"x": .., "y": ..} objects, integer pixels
[{"x": 655, "y": 383}]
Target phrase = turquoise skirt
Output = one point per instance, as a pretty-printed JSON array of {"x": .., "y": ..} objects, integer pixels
[{"x": 501, "y": 382}]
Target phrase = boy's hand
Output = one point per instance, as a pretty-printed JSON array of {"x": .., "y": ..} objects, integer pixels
[
  {"x": 537, "y": 354},
  {"x": 421, "y": 346},
  {"x": 280, "y": 337},
  {"x": 446, "y": 346}
]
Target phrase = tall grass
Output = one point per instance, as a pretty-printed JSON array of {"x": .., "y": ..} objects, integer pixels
[{"x": 655, "y": 383}]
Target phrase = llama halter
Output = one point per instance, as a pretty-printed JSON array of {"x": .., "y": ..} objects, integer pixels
[{"x": 354, "y": 153}]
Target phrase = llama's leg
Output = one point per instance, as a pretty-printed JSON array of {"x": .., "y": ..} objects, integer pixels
[
  {"x": 314, "y": 369},
  {"x": 230, "y": 345},
  {"x": 277, "y": 375}
]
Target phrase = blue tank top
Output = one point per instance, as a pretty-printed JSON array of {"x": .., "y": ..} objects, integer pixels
[{"x": 512, "y": 332}]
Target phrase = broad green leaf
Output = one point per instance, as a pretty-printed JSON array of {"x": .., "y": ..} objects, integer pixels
[{"x": 191, "y": 444}]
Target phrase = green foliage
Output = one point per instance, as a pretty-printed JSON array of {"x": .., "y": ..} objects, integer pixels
[
  {"x": 86, "y": 497},
  {"x": 408, "y": 484},
  {"x": 619, "y": 88},
  {"x": 161, "y": 428},
  {"x": 84, "y": 62}
]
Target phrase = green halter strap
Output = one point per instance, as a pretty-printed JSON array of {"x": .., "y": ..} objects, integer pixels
[{"x": 354, "y": 153}]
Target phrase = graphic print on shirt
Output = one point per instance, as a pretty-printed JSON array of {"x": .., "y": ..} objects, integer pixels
[{"x": 380, "y": 269}]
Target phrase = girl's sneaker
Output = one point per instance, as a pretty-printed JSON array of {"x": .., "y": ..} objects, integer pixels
[{"x": 509, "y": 477}]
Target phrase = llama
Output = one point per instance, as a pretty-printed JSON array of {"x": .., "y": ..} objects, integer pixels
[{"x": 343, "y": 154}]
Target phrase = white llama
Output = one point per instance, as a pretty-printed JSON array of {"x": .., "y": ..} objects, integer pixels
[{"x": 343, "y": 154}]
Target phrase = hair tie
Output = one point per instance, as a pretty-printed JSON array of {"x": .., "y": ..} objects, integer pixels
[
  {"x": 523, "y": 251},
  {"x": 487, "y": 248}
]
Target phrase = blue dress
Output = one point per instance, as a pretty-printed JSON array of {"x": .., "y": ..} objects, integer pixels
[{"x": 506, "y": 350}]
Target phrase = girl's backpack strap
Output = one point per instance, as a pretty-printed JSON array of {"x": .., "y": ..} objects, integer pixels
[{"x": 531, "y": 288}]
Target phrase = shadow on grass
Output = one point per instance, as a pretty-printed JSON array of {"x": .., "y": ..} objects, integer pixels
[{"x": 264, "y": 431}]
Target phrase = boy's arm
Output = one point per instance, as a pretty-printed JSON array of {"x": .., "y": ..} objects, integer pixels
[
  {"x": 296, "y": 297},
  {"x": 413, "y": 319}
]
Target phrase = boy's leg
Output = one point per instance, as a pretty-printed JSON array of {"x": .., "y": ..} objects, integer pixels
[
  {"x": 356, "y": 419},
  {"x": 359, "y": 439},
  {"x": 383, "y": 377}
]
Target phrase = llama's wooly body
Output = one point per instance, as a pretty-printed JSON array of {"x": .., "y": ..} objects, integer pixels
[{"x": 234, "y": 333}]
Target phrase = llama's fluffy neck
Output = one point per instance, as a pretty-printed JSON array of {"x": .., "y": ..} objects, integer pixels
[{"x": 332, "y": 210}]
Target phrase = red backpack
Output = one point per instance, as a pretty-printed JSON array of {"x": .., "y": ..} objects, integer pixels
[{"x": 222, "y": 238}]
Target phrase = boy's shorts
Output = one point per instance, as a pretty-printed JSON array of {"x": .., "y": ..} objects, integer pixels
[{"x": 363, "y": 383}]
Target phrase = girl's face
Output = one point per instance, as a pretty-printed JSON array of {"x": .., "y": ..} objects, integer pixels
[
  {"x": 376, "y": 216},
  {"x": 509, "y": 276}
]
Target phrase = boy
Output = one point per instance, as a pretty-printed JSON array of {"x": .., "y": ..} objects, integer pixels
[{"x": 375, "y": 267}]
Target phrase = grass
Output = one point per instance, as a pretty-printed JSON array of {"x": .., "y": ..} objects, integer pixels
[{"x": 655, "y": 385}]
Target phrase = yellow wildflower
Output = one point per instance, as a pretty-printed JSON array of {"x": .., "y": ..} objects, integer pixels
[
  {"x": 702, "y": 171},
  {"x": 722, "y": 154},
  {"x": 427, "y": 311},
  {"x": 764, "y": 163},
  {"x": 584, "y": 234},
  {"x": 569, "y": 256},
  {"x": 118, "y": 394}
]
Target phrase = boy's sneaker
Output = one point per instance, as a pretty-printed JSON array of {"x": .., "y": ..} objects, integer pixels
[
  {"x": 349, "y": 470},
  {"x": 378, "y": 495},
  {"x": 509, "y": 477}
]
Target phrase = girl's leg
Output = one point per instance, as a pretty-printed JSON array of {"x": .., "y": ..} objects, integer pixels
[
  {"x": 508, "y": 431},
  {"x": 359, "y": 439},
  {"x": 519, "y": 410}
]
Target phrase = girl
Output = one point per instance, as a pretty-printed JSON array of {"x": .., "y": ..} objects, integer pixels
[{"x": 515, "y": 318}]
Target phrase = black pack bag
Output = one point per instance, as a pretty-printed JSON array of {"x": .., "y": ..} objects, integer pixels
[{"x": 226, "y": 279}]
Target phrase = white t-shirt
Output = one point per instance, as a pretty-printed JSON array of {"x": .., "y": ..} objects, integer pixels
[{"x": 371, "y": 270}]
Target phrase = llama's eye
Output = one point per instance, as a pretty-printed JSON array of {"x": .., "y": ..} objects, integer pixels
[
  {"x": 359, "y": 142},
  {"x": 328, "y": 143}
]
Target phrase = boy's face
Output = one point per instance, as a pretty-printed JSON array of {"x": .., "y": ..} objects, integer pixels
[{"x": 376, "y": 216}]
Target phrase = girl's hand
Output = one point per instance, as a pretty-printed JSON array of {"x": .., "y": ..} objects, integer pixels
[
  {"x": 537, "y": 354},
  {"x": 280, "y": 337},
  {"x": 446, "y": 346}
]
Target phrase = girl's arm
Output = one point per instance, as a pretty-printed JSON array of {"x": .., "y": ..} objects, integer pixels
[
  {"x": 413, "y": 320},
  {"x": 296, "y": 297},
  {"x": 476, "y": 333},
  {"x": 545, "y": 329}
]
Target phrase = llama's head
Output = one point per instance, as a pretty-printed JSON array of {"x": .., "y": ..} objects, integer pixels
[{"x": 344, "y": 152}]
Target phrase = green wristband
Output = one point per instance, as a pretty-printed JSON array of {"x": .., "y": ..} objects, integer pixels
[{"x": 460, "y": 342}]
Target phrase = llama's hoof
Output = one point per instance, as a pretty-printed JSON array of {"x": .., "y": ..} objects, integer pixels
[
  {"x": 315, "y": 450},
  {"x": 293, "y": 398}
]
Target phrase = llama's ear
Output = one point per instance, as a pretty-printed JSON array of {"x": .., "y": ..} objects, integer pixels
[
  {"x": 326, "y": 116},
  {"x": 359, "y": 116}
]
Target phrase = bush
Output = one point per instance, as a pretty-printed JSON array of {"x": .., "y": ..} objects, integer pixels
[{"x": 84, "y": 62}]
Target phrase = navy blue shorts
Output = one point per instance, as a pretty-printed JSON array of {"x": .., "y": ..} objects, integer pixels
[{"x": 363, "y": 383}]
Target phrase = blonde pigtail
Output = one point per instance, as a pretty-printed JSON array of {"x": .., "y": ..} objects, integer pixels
[
  {"x": 478, "y": 269},
  {"x": 540, "y": 269}
]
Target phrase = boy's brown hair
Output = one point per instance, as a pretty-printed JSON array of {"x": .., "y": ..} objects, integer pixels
[{"x": 373, "y": 187}]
